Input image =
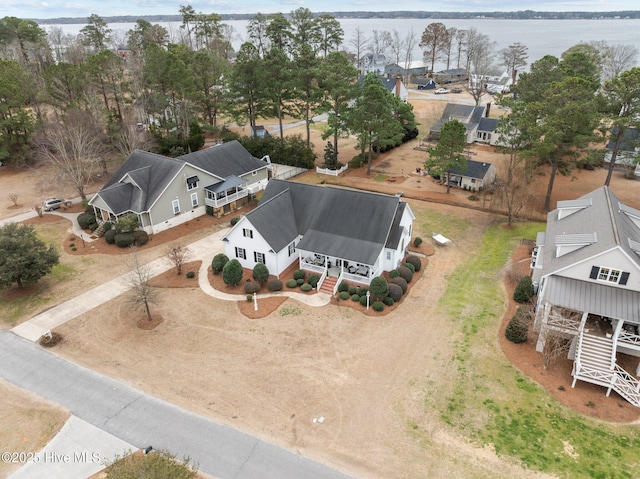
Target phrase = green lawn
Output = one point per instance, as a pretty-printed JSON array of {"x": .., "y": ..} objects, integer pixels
[{"x": 493, "y": 404}]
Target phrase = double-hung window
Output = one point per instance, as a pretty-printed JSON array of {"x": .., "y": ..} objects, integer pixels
[
  {"x": 194, "y": 199},
  {"x": 241, "y": 253},
  {"x": 258, "y": 257},
  {"x": 176, "y": 207},
  {"x": 247, "y": 233}
]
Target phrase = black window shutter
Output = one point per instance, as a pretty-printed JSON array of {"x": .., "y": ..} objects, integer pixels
[
  {"x": 623, "y": 278},
  {"x": 594, "y": 272}
]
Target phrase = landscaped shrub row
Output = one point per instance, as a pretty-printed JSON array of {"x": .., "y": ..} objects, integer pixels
[
  {"x": 524, "y": 290},
  {"x": 218, "y": 263}
]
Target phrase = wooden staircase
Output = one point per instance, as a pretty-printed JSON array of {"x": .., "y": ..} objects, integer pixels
[
  {"x": 328, "y": 284},
  {"x": 98, "y": 232},
  {"x": 595, "y": 363}
]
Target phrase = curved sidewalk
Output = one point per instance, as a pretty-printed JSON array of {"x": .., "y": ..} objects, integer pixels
[{"x": 204, "y": 249}]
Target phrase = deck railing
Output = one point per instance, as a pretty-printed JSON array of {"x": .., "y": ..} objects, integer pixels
[{"x": 216, "y": 203}]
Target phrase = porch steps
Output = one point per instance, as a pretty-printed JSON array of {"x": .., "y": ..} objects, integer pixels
[
  {"x": 593, "y": 364},
  {"x": 98, "y": 232},
  {"x": 328, "y": 284}
]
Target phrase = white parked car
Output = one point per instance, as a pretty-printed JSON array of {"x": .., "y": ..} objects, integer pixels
[
  {"x": 52, "y": 204},
  {"x": 441, "y": 91}
]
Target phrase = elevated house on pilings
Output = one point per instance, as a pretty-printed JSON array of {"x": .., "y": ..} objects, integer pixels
[{"x": 586, "y": 268}]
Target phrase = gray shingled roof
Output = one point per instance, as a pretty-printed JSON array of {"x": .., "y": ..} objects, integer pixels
[
  {"x": 475, "y": 169},
  {"x": 468, "y": 115},
  {"x": 488, "y": 124},
  {"x": 150, "y": 172},
  {"x": 224, "y": 160},
  {"x": 348, "y": 224}
]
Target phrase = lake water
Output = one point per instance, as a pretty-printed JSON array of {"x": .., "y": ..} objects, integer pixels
[{"x": 542, "y": 37}]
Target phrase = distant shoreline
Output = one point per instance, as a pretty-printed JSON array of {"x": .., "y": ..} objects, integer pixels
[{"x": 518, "y": 15}]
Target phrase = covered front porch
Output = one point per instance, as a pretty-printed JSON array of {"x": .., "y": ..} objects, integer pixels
[
  {"x": 231, "y": 189},
  {"x": 342, "y": 269}
]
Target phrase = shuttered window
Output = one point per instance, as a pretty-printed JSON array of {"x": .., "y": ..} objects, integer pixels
[{"x": 609, "y": 275}]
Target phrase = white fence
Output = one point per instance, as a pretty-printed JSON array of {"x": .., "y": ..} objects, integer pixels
[
  {"x": 327, "y": 171},
  {"x": 284, "y": 172}
]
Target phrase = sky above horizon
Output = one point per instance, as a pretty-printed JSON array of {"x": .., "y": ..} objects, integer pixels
[{"x": 42, "y": 9}]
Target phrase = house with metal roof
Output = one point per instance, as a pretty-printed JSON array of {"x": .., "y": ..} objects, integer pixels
[
  {"x": 337, "y": 233},
  {"x": 586, "y": 269},
  {"x": 164, "y": 192}
]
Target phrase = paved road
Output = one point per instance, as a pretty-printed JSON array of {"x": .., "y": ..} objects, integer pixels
[{"x": 142, "y": 420}]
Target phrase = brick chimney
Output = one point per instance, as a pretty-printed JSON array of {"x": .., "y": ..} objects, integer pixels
[
  {"x": 487, "y": 110},
  {"x": 398, "y": 87}
]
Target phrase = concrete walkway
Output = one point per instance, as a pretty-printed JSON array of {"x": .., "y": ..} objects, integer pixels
[
  {"x": 142, "y": 420},
  {"x": 78, "y": 450},
  {"x": 204, "y": 249}
]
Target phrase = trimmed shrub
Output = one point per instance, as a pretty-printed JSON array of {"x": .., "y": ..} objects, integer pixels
[
  {"x": 417, "y": 241},
  {"x": 86, "y": 220},
  {"x": 352, "y": 291},
  {"x": 394, "y": 273},
  {"x": 344, "y": 295},
  {"x": 107, "y": 225},
  {"x": 234, "y": 220},
  {"x": 363, "y": 300},
  {"x": 306, "y": 287},
  {"x": 141, "y": 236},
  {"x": 395, "y": 292},
  {"x": 232, "y": 272},
  {"x": 251, "y": 287},
  {"x": 378, "y": 306},
  {"x": 110, "y": 236},
  {"x": 218, "y": 263},
  {"x": 400, "y": 282},
  {"x": 388, "y": 301},
  {"x": 355, "y": 297},
  {"x": 362, "y": 291},
  {"x": 410, "y": 266},
  {"x": 191, "y": 274},
  {"x": 343, "y": 287},
  {"x": 524, "y": 290},
  {"x": 274, "y": 285},
  {"x": 291, "y": 283},
  {"x": 518, "y": 328},
  {"x": 299, "y": 274},
  {"x": 313, "y": 280},
  {"x": 123, "y": 240},
  {"x": 299, "y": 281},
  {"x": 405, "y": 273},
  {"x": 356, "y": 162},
  {"x": 379, "y": 287},
  {"x": 415, "y": 261},
  {"x": 260, "y": 273}
]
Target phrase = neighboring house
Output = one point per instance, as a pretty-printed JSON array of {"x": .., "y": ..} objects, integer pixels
[
  {"x": 453, "y": 75},
  {"x": 333, "y": 232},
  {"x": 424, "y": 83},
  {"x": 395, "y": 86},
  {"x": 164, "y": 192},
  {"x": 486, "y": 131},
  {"x": 586, "y": 269},
  {"x": 417, "y": 67},
  {"x": 373, "y": 63},
  {"x": 468, "y": 115},
  {"x": 475, "y": 177},
  {"x": 628, "y": 151},
  {"x": 492, "y": 83}
]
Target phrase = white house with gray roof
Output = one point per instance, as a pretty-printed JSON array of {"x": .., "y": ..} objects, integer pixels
[
  {"x": 164, "y": 192},
  {"x": 586, "y": 267},
  {"x": 334, "y": 232}
]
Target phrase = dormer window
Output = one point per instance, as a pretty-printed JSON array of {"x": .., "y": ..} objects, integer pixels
[{"x": 192, "y": 182}]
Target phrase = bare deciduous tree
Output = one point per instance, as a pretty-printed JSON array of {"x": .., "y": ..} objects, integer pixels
[
  {"x": 480, "y": 54},
  {"x": 359, "y": 42},
  {"x": 177, "y": 254},
  {"x": 554, "y": 347},
  {"x": 513, "y": 58},
  {"x": 13, "y": 197},
  {"x": 73, "y": 149},
  {"x": 141, "y": 293}
]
